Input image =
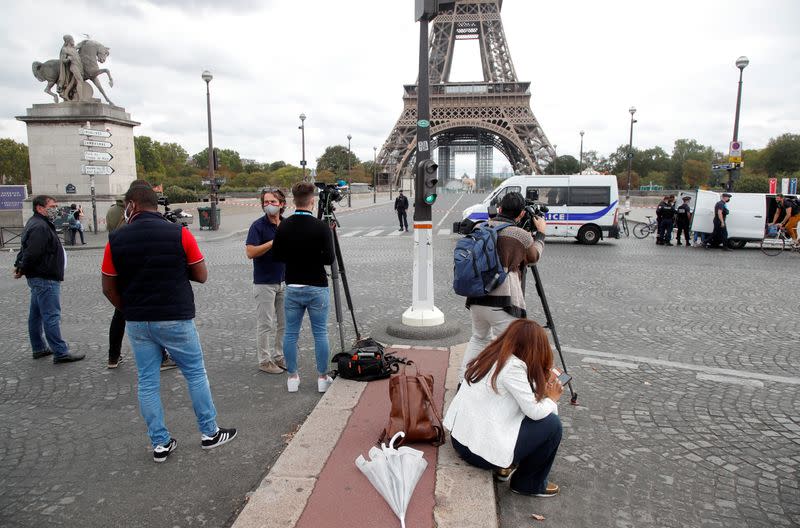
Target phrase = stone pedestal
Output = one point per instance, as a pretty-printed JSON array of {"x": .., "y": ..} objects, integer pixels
[{"x": 56, "y": 154}]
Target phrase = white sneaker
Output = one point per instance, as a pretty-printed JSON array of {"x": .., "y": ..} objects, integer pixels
[
  {"x": 324, "y": 383},
  {"x": 293, "y": 383}
]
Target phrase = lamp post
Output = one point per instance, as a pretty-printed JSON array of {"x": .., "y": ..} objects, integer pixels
[
  {"x": 555, "y": 159},
  {"x": 632, "y": 110},
  {"x": 374, "y": 175},
  {"x": 349, "y": 186},
  {"x": 580, "y": 159},
  {"x": 206, "y": 76},
  {"x": 741, "y": 63},
  {"x": 302, "y": 128}
]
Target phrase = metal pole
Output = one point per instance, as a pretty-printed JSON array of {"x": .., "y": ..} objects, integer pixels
[
  {"x": 303, "y": 142},
  {"x": 349, "y": 183},
  {"x": 632, "y": 110},
  {"x": 374, "y": 175},
  {"x": 580, "y": 161},
  {"x": 94, "y": 205},
  {"x": 211, "y": 177},
  {"x": 555, "y": 159},
  {"x": 733, "y": 174}
]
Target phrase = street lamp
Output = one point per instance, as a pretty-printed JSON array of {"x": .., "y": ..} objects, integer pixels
[
  {"x": 555, "y": 160},
  {"x": 302, "y": 128},
  {"x": 741, "y": 63},
  {"x": 374, "y": 175},
  {"x": 632, "y": 110},
  {"x": 206, "y": 76},
  {"x": 349, "y": 183},
  {"x": 580, "y": 160}
]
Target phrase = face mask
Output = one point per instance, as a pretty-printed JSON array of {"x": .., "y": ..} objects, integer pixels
[
  {"x": 52, "y": 213},
  {"x": 272, "y": 210},
  {"x": 127, "y": 215}
]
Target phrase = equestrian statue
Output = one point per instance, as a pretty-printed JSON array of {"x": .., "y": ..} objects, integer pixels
[{"x": 74, "y": 66}]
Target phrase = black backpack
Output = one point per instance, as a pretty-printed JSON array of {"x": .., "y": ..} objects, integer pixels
[{"x": 367, "y": 361}]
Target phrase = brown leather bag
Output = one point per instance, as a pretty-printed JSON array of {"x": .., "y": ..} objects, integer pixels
[{"x": 413, "y": 410}]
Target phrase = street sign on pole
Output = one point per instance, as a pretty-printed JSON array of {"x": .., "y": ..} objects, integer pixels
[
  {"x": 91, "y": 155},
  {"x": 96, "y": 143},
  {"x": 723, "y": 166},
  {"x": 735, "y": 153},
  {"x": 102, "y": 170},
  {"x": 94, "y": 133}
]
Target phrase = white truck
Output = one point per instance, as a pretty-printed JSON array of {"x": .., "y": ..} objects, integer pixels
[{"x": 749, "y": 215}]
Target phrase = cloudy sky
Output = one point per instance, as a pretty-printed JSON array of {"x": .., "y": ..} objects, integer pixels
[{"x": 344, "y": 63}]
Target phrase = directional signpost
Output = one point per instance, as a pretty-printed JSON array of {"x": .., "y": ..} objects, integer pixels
[{"x": 95, "y": 156}]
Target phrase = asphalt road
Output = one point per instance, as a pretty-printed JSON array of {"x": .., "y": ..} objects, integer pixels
[{"x": 684, "y": 360}]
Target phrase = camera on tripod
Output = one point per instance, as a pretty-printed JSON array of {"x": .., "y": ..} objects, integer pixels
[
  {"x": 328, "y": 194},
  {"x": 532, "y": 210}
]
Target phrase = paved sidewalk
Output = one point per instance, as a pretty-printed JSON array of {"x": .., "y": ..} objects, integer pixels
[{"x": 315, "y": 481}]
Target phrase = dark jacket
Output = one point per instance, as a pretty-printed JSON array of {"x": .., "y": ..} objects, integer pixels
[
  {"x": 305, "y": 244},
  {"x": 401, "y": 203},
  {"x": 152, "y": 269},
  {"x": 42, "y": 254}
]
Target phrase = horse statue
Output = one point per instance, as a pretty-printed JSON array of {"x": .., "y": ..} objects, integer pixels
[{"x": 91, "y": 52}]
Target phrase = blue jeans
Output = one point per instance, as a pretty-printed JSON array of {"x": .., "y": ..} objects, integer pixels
[
  {"x": 180, "y": 339},
  {"x": 534, "y": 453},
  {"x": 45, "y": 314},
  {"x": 316, "y": 300}
]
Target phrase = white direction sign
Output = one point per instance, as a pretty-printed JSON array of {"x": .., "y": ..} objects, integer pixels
[
  {"x": 91, "y": 155},
  {"x": 96, "y": 143},
  {"x": 103, "y": 170},
  {"x": 94, "y": 133}
]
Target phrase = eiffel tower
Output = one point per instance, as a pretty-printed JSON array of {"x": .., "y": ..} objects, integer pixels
[{"x": 476, "y": 116}]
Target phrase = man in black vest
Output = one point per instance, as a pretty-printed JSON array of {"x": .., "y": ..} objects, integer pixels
[
  {"x": 42, "y": 260},
  {"x": 683, "y": 219},
  {"x": 401, "y": 205},
  {"x": 146, "y": 269},
  {"x": 720, "y": 235}
]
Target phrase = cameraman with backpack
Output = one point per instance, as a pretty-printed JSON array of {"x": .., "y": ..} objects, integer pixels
[
  {"x": 516, "y": 248},
  {"x": 791, "y": 215}
]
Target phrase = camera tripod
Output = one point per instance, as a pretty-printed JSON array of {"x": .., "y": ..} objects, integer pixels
[
  {"x": 550, "y": 326},
  {"x": 338, "y": 273}
]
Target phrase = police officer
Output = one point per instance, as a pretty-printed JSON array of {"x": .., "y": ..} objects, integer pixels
[
  {"x": 720, "y": 234},
  {"x": 667, "y": 214},
  {"x": 683, "y": 219}
]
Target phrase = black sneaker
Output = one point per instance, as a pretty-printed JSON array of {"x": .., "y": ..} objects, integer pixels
[
  {"x": 68, "y": 358},
  {"x": 42, "y": 353},
  {"x": 223, "y": 436},
  {"x": 160, "y": 453}
]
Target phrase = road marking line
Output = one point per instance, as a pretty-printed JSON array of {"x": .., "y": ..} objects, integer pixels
[
  {"x": 444, "y": 232},
  {"x": 374, "y": 233},
  {"x": 611, "y": 362},
  {"x": 396, "y": 233},
  {"x": 351, "y": 233},
  {"x": 727, "y": 379},
  {"x": 748, "y": 374},
  {"x": 448, "y": 211}
]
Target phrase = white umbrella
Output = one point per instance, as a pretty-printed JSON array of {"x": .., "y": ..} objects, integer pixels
[{"x": 394, "y": 473}]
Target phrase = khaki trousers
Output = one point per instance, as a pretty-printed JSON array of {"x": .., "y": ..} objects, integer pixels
[{"x": 271, "y": 321}]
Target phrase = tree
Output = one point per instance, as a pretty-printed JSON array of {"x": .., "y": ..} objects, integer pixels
[
  {"x": 752, "y": 183},
  {"x": 687, "y": 149},
  {"x": 695, "y": 173},
  {"x": 14, "y": 162},
  {"x": 562, "y": 165},
  {"x": 782, "y": 154},
  {"x": 229, "y": 160},
  {"x": 334, "y": 159},
  {"x": 276, "y": 165},
  {"x": 147, "y": 155}
]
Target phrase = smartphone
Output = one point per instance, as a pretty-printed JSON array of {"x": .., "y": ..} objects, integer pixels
[{"x": 563, "y": 377}]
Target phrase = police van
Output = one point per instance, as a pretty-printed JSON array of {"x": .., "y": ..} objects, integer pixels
[{"x": 579, "y": 206}]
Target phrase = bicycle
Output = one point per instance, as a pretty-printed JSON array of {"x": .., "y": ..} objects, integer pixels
[
  {"x": 645, "y": 230},
  {"x": 773, "y": 245},
  {"x": 623, "y": 224}
]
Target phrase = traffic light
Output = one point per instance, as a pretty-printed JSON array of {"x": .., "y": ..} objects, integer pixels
[
  {"x": 215, "y": 154},
  {"x": 427, "y": 171}
]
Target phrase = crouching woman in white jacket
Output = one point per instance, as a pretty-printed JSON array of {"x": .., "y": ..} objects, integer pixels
[{"x": 504, "y": 416}]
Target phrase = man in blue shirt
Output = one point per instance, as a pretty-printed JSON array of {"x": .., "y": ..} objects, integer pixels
[
  {"x": 268, "y": 282},
  {"x": 720, "y": 235}
]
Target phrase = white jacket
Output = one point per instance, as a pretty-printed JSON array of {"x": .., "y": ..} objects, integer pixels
[{"x": 488, "y": 422}]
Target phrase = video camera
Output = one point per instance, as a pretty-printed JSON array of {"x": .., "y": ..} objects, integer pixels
[
  {"x": 532, "y": 209},
  {"x": 328, "y": 194}
]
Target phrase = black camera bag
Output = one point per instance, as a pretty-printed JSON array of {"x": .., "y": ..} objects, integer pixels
[{"x": 367, "y": 361}]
